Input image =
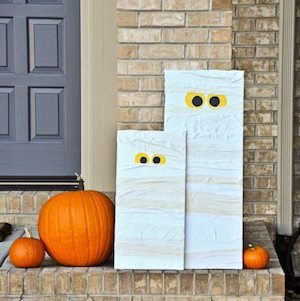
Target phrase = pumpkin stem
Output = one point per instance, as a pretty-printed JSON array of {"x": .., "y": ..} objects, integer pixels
[
  {"x": 80, "y": 181},
  {"x": 28, "y": 233},
  {"x": 250, "y": 246}
]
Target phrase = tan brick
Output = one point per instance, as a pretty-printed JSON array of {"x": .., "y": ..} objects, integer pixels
[
  {"x": 266, "y": 156},
  {"x": 7, "y": 218},
  {"x": 155, "y": 283},
  {"x": 216, "y": 283},
  {"x": 140, "y": 99},
  {"x": 260, "y": 91},
  {"x": 28, "y": 204},
  {"x": 79, "y": 281},
  {"x": 144, "y": 68},
  {"x": 94, "y": 279},
  {"x": 32, "y": 282},
  {"x": 267, "y": 52},
  {"x": 258, "y": 117},
  {"x": 258, "y": 196},
  {"x": 170, "y": 283},
  {"x": 40, "y": 199},
  {"x": 249, "y": 156},
  {"x": 153, "y": 83},
  {"x": 209, "y": 51},
  {"x": 257, "y": 11},
  {"x": 201, "y": 283},
  {"x": 250, "y": 38},
  {"x": 258, "y": 143},
  {"x": 125, "y": 283},
  {"x": 126, "y": 83},
  {"x": 267, "y": 78},
  {"x": 265, "y": 209},
  {"x": 127, "y": 19},
  {"x": 150, "y": 126},
  {"x": 186, "y": 64},
  {"x": 122, "y": 67},
  {"x": 243, "y": 2},
  {"x": 47, "y": 281},
  {"x": 128, "y": 51},
  {"x": 249, "y": 130},
  {"x": 243, "y": 52},
  {"x": 249, "y": 78},
  {"x": 139, "y": 4},
  {"x": 157, "y": 115},
  {"x": 273, "y": 298},
  {"x": 14, "y": 203},
  {"x": 162, "y": 19},
  {"x": 186, "y": 5},
  {"x": 145, "y": 115},
  {"x": 3, "y": 202},
  {"x": 221, "y": 35},
  {"x": 16, "y": 281},
  {"x": 207, "y": 19},
  {"x": 139, "y": 35},
  {"x": 186, "y": 283},
  {"x": 256, "y": 65},
  {"x": 3, "y": 282},
  {"x": 266, "y": 130},
  {"x": 127, "y": 115},
  {"x": 185, "y": 35},
  {"x": 265, "y": 183},
  {"x": 224, "y": 65},
  {"x": 277, "y": 282},
  {"x": 267, "y": 24},
  {"x": 110, "y": 283},
  {"x": 266, "y": 104},
  {"x": 243, "y": 25},
  {"x": 247, "y": 209},
  {"x": 161, "y": 51},
  {"x": 26, "y": 220},
  {"x": 246, "y": 282},
  {"x": 140, "y": 283},
  {"x": 221, "y": 4},
  {"x": 62, "y": 281}
]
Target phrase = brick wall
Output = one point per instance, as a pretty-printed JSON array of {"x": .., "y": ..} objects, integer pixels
[
  {"x": 255, "y": 50},
  {"x": 165, "y": 34},
  {"x": 168, "y": 34}
]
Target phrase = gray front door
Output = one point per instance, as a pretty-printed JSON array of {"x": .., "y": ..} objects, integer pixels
[{"x": 39, "y": 87}]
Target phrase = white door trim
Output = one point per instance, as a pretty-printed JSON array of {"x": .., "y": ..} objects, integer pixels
[{"x": 98, "y": 94}]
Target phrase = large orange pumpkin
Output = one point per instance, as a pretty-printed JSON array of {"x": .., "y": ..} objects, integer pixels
[
  {"x": 256, "y": 257},
  {"x": 27, "y": 252},
  {"x": 77, "y": 228}
]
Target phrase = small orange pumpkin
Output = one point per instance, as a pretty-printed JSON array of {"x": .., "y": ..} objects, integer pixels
[
  {"x": 256, "y": 257},
  {"x": 77, "y": 227},
  {"x": 27, "y": 252}
]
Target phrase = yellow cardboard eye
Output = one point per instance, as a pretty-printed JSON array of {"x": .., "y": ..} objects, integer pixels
[
  {"x": 141, "y": 158},
  {"x": 217, "y": 101},
  {"x": 194, "y": 100},
  {"x": 158, "y": 159}
]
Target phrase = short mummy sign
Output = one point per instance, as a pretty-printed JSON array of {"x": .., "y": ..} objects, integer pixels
[{"x": 150, "y": 200}]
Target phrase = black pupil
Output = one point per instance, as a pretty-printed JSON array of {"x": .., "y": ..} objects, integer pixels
[
  {"x": 143, "y": 160},
  {"x": 214, "y": 101},
  {"x": 197, "y": 101},
  {"x": 156, "y": 160}
]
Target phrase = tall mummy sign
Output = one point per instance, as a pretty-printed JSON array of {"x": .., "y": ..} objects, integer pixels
[
  {"x": 150, "y": 200},
  {"x": 209, "y": 106}
]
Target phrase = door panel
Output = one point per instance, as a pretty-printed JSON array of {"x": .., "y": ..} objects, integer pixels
[{"x": 39, "y": 87}]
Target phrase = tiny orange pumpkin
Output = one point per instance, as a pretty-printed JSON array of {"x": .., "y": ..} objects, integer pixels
[
  {"x": 256, "y": 257},
  {"x": 27, "y": 252}
]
